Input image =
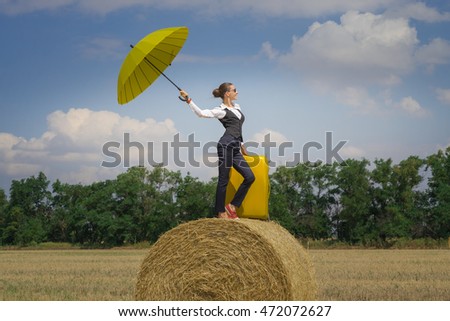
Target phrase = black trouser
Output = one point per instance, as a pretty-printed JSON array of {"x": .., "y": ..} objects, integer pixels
[{"x": 229, "y": 152}]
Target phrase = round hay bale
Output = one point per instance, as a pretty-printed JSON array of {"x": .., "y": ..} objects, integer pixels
[{"x": 226, "y": 260}]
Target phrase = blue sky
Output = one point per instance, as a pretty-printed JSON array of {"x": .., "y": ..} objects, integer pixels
[{"x": 374, "y": 73}]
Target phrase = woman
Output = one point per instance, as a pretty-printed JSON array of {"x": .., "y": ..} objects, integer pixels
[{"x": 229, "y": 148}]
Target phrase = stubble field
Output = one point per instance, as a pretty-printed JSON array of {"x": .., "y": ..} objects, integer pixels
[{"x": 95, "y": 275}]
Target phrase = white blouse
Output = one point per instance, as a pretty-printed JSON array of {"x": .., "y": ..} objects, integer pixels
[{"x": 217, "y": 112}]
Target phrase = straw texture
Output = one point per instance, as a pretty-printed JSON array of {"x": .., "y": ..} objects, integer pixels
[{"x": 225, "y": 260}]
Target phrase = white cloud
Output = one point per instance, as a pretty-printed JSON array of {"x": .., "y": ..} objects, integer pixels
[
  {"x": 268, "y": 51},
  {"x": 269, "y": 134},
  {"x": 352, "y": 152},
  {"x": 14, "y": 7},
  {"x": 19, "y": 169},
  {"x": 101, "y": 48},
  {"x": 443, "y": 95},
  {"x": 412, "y": 107},
  {"x": 7, "y": 141},
  {"x": 270, "y": 8},
  {"x": 357, "y": 98},
  {"x": 265, "y": 8},
  {"x": 214, "y": 60},
  {"x": 87, "y": 174},
  {"x": 419, "y": 11},
  {"x": 362, "y": 49},
  {"x": 358, "y": 58},
  {"x": 280, "y": 150},
  {"x": 72, "y": 147},
  {"x": 441, "y": 147},
  {"x": 437, "y": 52},
  {"x": 261, "y": 8},
  {"x": 86, "y": 130},
  {"x": 307, "y": 8}
]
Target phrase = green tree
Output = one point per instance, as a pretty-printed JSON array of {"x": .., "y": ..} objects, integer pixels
[
  {"x": 3, "y": 201},
  {"x": 325, "y": 199},
  {"x": 32, "y": 195},
  {"x": 68, "y": 208},
  {"x": 3, "y": 208},
  {"x": 30, "y": 210},
  {"x": 285, "y": 200},
  {"x": 195, "y": 199},
  {"x": 302, "y": 198},
  {"x": 132, "y": 193},
  {"x": 407, "y": 196},
  {"x": 97, "y": 223},
  {"x": 282, "y": 198},
  {"x": 385, "y": 211},
  {"x": 438, "y": 223},
  {"x": 161, "y": 209},
  {"x": 310, "y": 200},
  {"x": 353, "y": 183},
  {"x": 394, "y": 198}
]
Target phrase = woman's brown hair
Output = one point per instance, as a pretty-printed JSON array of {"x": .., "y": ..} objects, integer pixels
[{"x": 223, "y": 88}]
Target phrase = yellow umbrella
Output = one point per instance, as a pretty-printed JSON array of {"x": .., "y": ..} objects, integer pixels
[{"x": 147, "y": 60}]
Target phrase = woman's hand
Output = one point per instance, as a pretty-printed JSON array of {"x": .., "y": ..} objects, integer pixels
[
  {"x": 243, "y": 150},
  {"x": 184, "y": 94}
]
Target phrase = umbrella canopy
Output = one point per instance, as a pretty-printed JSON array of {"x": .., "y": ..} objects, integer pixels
[{"x": 147, "y": 61}]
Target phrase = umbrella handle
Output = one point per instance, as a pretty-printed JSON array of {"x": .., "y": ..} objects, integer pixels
[{"x": 182, "y": 98}]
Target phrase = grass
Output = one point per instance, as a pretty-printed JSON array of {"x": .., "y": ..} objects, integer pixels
[
  {"x": 93, "y": 275},
  {"x": 383, "y": 275},
  {"x": 69, "y": 274}
]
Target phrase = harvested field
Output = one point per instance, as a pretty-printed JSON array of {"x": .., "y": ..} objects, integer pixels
[
  {"x": 112, "y": 274},
  {"x": 385, "y": 275},
  {"x": 69, "y": 274}
]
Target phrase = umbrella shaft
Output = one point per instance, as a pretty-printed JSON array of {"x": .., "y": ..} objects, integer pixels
[{"x": 179, "y": 89}]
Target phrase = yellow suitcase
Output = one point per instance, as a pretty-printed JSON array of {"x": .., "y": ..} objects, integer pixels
[{"x": 256, "y": 203}]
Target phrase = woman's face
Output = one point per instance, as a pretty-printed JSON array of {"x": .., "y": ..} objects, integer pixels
[{"x": 232, "y": 92}]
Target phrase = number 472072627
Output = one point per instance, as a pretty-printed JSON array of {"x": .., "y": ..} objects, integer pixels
[{"x": 295, "y": 310}]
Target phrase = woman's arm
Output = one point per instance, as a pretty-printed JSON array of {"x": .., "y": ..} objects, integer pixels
[
  {"x": 207, "y": 113},
  {"x": 204, "y": 113}
]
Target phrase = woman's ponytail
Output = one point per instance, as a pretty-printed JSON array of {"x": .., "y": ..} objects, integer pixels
[{"x": 223, "y": 88}]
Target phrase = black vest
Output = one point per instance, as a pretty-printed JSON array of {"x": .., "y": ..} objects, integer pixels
[{"x": 232, "y": 124}]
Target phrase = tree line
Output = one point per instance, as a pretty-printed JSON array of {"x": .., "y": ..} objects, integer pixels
[{"x": 357, "y": 202}]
